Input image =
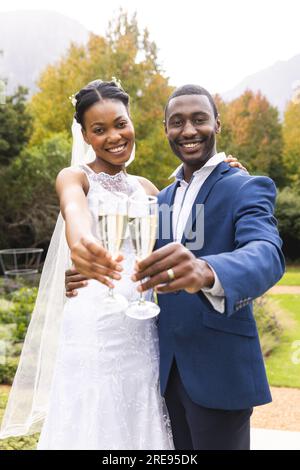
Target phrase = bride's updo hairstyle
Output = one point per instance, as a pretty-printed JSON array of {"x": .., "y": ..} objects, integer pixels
[{"x": 95, "y": 91}]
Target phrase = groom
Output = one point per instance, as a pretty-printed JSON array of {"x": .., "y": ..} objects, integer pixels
[{"x": 217, "y": 250}]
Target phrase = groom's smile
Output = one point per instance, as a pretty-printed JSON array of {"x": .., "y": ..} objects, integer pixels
[{"x": 191, "y": 146}]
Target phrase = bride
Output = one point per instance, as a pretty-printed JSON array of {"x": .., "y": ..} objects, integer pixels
[
  {"x": 89, "y": 379},
  {"x": 105, "y": 391}
]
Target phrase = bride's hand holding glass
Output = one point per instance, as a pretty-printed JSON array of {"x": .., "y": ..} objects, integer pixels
[
  {"x": 112, "y": 224},
  {"x": 93, "y": 261}
]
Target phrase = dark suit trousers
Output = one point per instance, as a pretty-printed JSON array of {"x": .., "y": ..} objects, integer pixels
[{"x": 197, "y": 428}]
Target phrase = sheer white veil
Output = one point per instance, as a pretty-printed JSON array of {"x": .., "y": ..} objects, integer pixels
[{"x": 29, "y": 396}]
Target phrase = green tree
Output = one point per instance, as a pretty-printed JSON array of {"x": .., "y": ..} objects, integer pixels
[
  {"x": 15, "y": 126},
  {"x": 29, "y": 214},
  {"x": 288, "y": 215}
]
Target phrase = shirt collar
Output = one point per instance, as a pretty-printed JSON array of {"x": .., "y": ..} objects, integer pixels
[{"x": 212, "y": 162}]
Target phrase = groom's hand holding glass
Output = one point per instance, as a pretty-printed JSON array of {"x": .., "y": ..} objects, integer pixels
[{"x": 171, "y": 268}]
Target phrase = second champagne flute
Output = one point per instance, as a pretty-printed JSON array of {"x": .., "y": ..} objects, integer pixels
[
  {"x": 142, "y": 222},
  {"x": 112, "y": 223}
]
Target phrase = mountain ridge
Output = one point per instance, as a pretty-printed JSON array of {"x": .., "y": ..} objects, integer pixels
[{"x": 275, "y": 82}]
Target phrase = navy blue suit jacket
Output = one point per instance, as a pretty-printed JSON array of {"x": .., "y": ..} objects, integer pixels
[{"x": 218, "y": 355}]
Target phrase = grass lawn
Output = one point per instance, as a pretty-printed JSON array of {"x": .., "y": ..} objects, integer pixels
[
  {"x": 281, "y": 370},
  {"x": 291, "y": 277}
]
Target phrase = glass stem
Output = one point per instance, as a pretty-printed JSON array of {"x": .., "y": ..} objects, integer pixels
[
  {"x": 142, "y": 296},
  {"x": 111, "y": 292}
]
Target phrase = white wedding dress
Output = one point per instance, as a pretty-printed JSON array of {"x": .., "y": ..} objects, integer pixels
[{"x": 105, "y": 389}]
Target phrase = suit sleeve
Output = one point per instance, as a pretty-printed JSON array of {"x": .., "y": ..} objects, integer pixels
[{"x": 257, "y": 262}]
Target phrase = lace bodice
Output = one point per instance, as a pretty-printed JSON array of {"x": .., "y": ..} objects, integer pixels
[
  {"x": 102, "y": 184},
  {"x": 121, "y": 182}
]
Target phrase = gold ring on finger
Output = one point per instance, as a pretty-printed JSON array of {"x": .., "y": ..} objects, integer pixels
[{"x": 171, "y": 274}]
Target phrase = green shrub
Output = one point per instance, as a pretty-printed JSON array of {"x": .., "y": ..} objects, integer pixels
[
  {"x": 8, "y": 370},
  {"x": 23, "y": 305},
  {"x": 15, "y": 313},
  {"x": 6, "y": 311},
  {"x": 269, "y": 328},
  {"x": 24, "y": 300},
  {"x": 288, "y": 215},
  {"x": 11, "y": 284}
]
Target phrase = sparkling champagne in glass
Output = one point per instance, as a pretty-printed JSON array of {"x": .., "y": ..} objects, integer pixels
[
  {"x": 142, "y": 222},
  {"x": 112, "y": 223}
]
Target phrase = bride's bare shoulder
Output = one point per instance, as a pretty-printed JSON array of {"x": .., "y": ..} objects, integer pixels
[
  {"x": 148, "y": 186},
  {"x": 71, "y": 175}
]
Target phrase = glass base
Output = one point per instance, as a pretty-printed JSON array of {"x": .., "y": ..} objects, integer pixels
[
  {"x": 142, "y": 310},
  {"x": 114, "y": 303}
]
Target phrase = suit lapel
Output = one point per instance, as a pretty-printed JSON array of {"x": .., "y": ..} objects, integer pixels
[{"x": 203, "y": 194}]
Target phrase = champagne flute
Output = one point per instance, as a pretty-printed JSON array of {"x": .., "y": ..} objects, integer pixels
[
  {"x": 142, "y": 223},
  {"x": 112, "y": 224}
]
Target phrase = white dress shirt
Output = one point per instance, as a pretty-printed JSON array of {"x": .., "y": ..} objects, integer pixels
[{"x": 184, "y": 199}]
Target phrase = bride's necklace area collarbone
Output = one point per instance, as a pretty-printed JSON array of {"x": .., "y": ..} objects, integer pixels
[
  {"x": 118, "y": 182},
  {"x": 121, "y": 172}
]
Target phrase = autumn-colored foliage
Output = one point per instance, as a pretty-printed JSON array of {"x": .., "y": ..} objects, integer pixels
[
  {"x": 251, "y": 131},
  {"x": 129, "y": 55},
  {"x": 291, "y": 139}
]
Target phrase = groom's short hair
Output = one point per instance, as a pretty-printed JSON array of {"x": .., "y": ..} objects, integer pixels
[{"x": 192, "y": 90}]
